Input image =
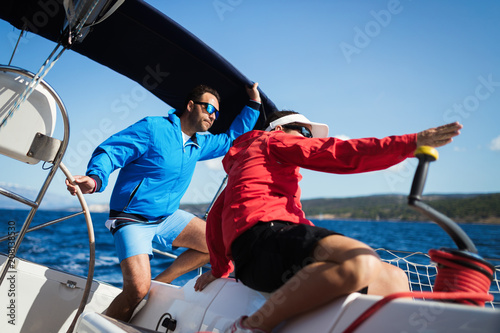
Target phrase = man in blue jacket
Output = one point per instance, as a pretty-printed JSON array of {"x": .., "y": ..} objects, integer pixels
[{"x": 156, "y": 157}]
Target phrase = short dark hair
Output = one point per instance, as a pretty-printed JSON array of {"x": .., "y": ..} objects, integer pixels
[
  {"x": 197, "y": 92},
  {"x": 276, "y": 115}
]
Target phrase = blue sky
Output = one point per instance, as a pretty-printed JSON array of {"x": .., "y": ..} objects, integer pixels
[{"x": 365, "y": 68}]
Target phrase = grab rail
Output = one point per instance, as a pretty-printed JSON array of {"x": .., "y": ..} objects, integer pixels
[{"x": 57, "y": 161}]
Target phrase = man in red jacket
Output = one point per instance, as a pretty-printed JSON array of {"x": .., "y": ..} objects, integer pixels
[{"x": 258, "y": 221}]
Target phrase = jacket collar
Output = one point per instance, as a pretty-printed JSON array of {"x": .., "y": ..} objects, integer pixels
[{"x": 174, "y": 119}]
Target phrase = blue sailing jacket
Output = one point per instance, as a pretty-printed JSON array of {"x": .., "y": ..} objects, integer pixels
[{"x": 156, "y": 167}]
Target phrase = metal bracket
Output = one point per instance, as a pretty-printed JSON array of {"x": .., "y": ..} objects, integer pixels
[{"x": 44, "y": 148}]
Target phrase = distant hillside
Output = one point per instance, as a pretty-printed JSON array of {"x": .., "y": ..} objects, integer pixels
[
  {"x": 464, "y": 208},
  {"x": 50, "y": 201}
]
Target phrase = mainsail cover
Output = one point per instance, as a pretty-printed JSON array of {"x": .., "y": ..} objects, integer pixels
[{"x": 148, "y": 47}]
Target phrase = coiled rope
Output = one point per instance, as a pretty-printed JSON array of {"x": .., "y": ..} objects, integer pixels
[
  {"x": 462, "y": 278},
  {"x": 461, "y": 272}
]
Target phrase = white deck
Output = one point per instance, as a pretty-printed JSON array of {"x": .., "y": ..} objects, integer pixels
[
  {"x": 46, "y": 302},
  {"x": 225, "y": 300},
  {"x": 43, "y": 300}
]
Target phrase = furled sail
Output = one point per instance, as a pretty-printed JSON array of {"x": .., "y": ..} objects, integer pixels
[{"x": 143, "y": 44}]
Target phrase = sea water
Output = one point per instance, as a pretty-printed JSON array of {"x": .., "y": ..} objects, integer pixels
[{"x": 64, "y": 245}]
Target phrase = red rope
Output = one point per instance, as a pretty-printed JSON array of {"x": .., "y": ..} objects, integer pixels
[
  {"x": 460, "y": 273},
  {"x": 461, "y": 278}
]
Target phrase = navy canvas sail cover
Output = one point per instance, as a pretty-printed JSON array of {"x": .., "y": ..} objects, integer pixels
[{"x": 148, "y": 47}]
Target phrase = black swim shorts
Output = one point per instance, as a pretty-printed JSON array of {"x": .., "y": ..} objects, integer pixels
[{"x": 270, "y": 253}]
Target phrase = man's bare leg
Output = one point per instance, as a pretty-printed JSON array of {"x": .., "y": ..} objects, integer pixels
[
  {"x": 192, "y": 237},
  {"x": 136, "y": 282},
  {"x": 186, "y": 262}
]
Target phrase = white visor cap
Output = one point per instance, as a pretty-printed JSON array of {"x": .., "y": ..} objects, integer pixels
[{"x": 318, "y": 130}]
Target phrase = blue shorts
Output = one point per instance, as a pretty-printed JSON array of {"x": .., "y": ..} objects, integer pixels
[{"x": 138, "y": 238}]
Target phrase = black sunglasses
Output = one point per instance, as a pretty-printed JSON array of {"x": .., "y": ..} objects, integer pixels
[
  {"x": 302, "y": 129},
  {"x": 209, "y": 107}
]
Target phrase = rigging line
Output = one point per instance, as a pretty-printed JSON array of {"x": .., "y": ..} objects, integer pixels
[
  {"x": 264, "y": 113},
  {"x": 72, "y": 16},
  {"x": 17, "y": 44},
  {"x": 42, "y": 72},
  {"x": 117, "y": 4},
  {"x": 82, "y": 22},
  {"x": 219, "y": 191},
  {"x": 69, "y": 11},
  {"x": 263, "y": 109}
]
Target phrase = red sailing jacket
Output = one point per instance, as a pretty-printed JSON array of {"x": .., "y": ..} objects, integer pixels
[{"x": 263, "y": 169}]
